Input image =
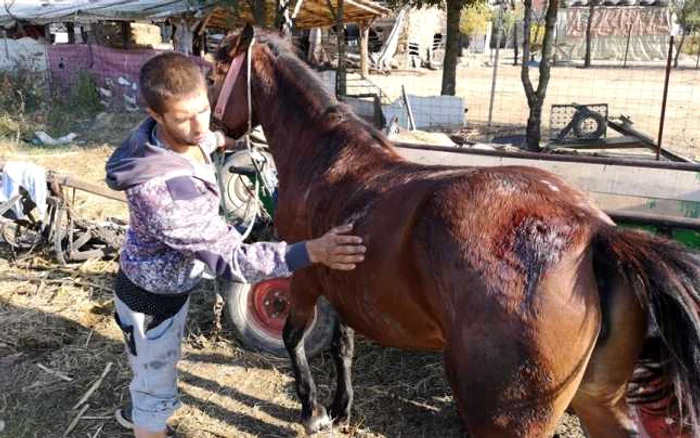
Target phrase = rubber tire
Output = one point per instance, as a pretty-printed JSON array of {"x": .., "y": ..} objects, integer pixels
[
  {"x": 317, "y": 338},
  {"x": 581, "y": 117}
]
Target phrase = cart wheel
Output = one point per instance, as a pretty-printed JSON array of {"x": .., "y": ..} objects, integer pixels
[
  {"x": 259, "y": 312},
  {"x": 69, "y": 239}
]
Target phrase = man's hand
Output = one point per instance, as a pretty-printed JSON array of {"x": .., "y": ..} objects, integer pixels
[
  {"x": 222, "y": 141},
  {"x": 336, "y": 249}
]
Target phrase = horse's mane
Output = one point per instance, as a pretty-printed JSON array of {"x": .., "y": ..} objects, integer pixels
[{"x": 328, "y": 108}]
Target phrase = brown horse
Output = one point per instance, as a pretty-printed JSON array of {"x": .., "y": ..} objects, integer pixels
[{"x": 536, "y": 299}]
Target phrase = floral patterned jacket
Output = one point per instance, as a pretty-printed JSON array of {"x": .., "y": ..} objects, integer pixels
[{"x": 176, "y": 235}]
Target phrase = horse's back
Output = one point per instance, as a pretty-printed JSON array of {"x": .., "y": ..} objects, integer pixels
[{"x": 442, "y": 240}]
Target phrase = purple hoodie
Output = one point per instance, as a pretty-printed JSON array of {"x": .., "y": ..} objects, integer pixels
[{"x": 176, "y": 234}]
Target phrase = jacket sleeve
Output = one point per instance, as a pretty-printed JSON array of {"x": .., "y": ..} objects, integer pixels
[{"x": 177, "y": 213}]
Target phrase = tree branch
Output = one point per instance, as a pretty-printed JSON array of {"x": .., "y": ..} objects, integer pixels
[{"x": 547, "y": 48}]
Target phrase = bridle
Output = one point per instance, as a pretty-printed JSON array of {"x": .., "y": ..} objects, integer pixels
[{"x": 222, "y": 101}]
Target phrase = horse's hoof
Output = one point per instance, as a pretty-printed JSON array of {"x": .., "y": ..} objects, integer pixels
[
  {"x": 317, "y": 422},
  {"x": 339, "y": 416}
]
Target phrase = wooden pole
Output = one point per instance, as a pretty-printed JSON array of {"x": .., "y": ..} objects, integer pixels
[
  {"x": 126, "y": 34},
  {"x": 341, "y": 79},
  {"x": 364, "y": 50}
]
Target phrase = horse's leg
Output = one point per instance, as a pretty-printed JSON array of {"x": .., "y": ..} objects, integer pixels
[
  {"x": 515, "y": 363},
  {"x": 343, "y": 348},
  {"x": 497, "y": 401},
  {"x": 313, "y": 414},
  {"x": 600, "y": 401}
]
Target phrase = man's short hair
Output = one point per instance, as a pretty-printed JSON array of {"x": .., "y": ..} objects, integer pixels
[{"x": 167, "y": 76}]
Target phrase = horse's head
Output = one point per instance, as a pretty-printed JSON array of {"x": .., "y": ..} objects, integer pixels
[{"x": 229, "y": 89}]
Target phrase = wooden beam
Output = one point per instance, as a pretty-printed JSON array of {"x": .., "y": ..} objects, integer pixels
[
  {"x": 341, "y": 76},
  {"x": 297, "y": 8},
  {"x": 331, "y": 9},
  {"x": 70, "y": 182},
  {"x": 364, "y": 50},
  {"x": 126, "y": 34}
]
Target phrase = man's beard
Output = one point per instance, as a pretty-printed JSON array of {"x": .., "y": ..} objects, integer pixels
[{"x": 181, "y": 140}]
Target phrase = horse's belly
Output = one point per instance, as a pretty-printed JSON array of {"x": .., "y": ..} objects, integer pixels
[{"x": 387, "y": 314}]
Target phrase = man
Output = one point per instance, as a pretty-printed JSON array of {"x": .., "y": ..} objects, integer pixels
[{"x": 176, "y": 235}]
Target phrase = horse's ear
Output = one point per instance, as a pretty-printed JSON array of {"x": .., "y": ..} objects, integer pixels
[
  {"x": 248, "y": 34},
  {"x": 242, "y": 41}
]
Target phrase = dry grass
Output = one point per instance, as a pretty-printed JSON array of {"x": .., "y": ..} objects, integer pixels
[
  {"x": 226, "y": 391},
  {"x": 85, "y": 161},
  {"x": 57, "y": 336}
]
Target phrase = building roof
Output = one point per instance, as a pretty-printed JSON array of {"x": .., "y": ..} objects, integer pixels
[{"x": 312, "y": 13}]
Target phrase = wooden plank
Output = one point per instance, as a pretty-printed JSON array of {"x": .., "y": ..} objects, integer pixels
[
  {"x": 590, "y": 177},
  {"x": 70, "y": 182}
]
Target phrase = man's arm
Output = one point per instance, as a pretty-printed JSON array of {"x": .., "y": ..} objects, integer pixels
[{"x": 175, "y": 213}]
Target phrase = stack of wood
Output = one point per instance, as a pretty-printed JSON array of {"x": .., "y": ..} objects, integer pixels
[{"x": 125, "y": 35}]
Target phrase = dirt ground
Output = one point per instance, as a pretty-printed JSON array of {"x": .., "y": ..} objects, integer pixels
[
  {"x": 57, "y": 337},
  {"x": 635, "y": 91}
]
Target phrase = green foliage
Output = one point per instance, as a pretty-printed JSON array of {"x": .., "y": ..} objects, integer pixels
[
  {"x": 692, "y": 45},
  {"x": 27, "y": 106},
  {"x": 536, "y": 36},
  {"x": 21, "y": 91},
  {"x": 84, "y": 97},
  {"x": 475, "y": 19},
  {"x": 687, "y": 13}
]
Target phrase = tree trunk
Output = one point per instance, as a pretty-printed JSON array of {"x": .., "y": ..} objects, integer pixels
[
  {"x": 449, "y": 66},
  {"x": 589, "y": 25},
  {"x": 676, "y": 58},
  {"x": 535, "y": 98},
  {"x": 515, "y": 45}
]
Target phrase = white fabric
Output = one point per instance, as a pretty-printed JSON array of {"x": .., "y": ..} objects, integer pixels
[
  {"x": 32, "y": 178},
  {"x": 184, "y": 36},
  {"x": 382, "y": 60}
]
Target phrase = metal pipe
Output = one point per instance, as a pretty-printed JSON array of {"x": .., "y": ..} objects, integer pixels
[
  {"x": 690, "y": 167},
  {"x": 640, "y": 218},
  {"x": 665, "y": 98},
  {"x": 627, "y": 48}
]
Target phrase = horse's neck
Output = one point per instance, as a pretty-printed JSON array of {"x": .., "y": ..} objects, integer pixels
[{"x": 299, "y": 145}]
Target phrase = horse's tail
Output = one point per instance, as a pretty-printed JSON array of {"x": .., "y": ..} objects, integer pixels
[{"x": 665, "y": 277}]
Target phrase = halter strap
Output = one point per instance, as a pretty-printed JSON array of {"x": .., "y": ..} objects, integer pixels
[{"x": 233, "y": 72}]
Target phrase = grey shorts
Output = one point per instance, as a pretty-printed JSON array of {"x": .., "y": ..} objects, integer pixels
[{"x": 153, "y": 326}]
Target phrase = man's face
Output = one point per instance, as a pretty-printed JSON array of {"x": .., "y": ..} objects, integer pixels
[{"x": 186, "y": 119}]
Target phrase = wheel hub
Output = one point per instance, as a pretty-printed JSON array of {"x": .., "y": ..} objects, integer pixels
[{"x": 269, "y": 304}]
